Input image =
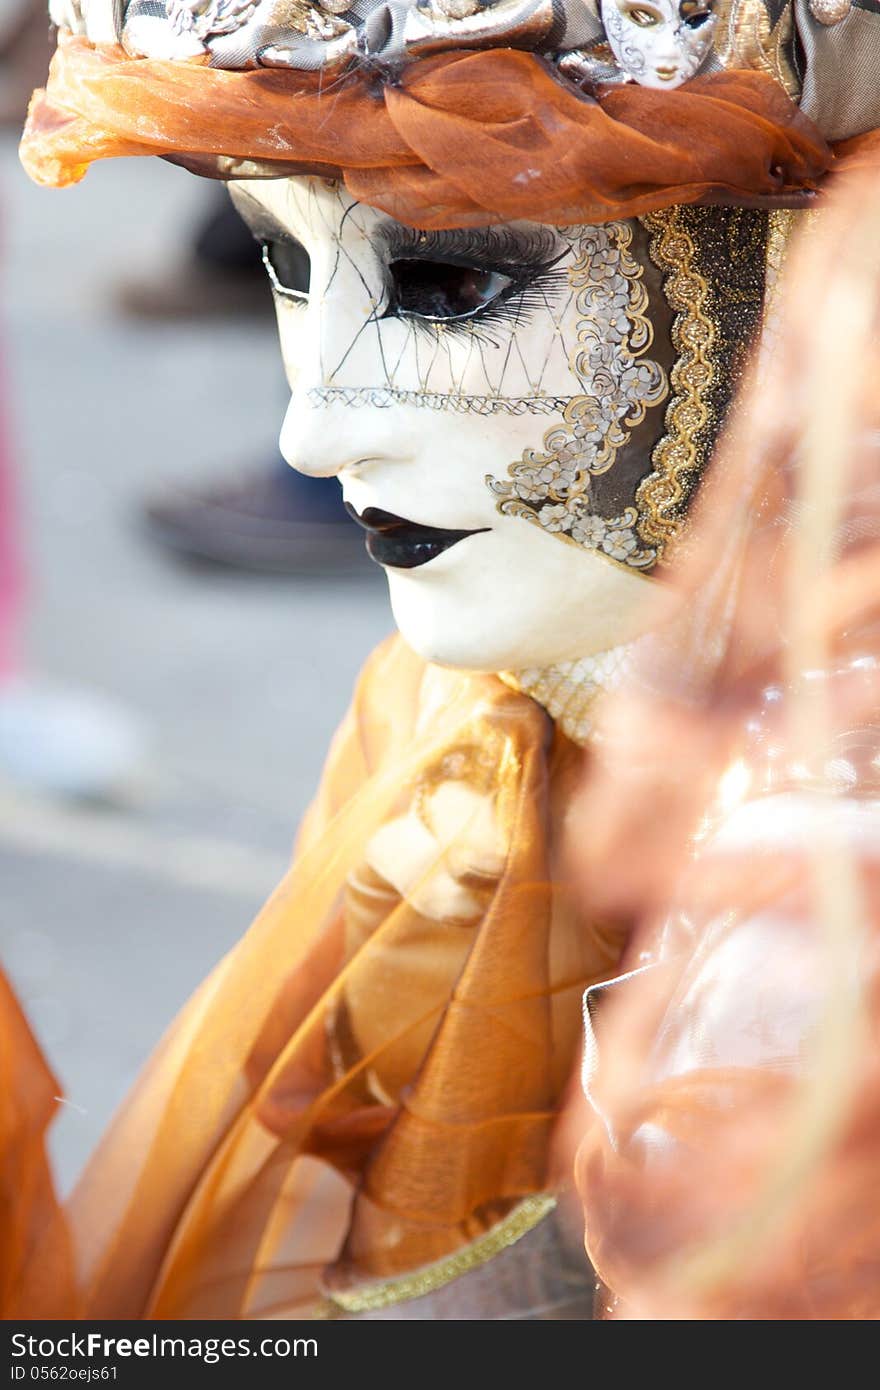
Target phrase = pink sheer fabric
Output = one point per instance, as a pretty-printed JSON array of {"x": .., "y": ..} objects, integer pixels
[
  {"x": 728, "y": 1165},
  {"x": 10, "y": 563}
]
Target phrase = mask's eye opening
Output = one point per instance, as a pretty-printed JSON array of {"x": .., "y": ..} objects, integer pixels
[
  {"x": 645, "y": 16},
  {"x": 289, "y": 269},
  {"x": 694, "y": 14},
  {"x": 441, "y": 290}
]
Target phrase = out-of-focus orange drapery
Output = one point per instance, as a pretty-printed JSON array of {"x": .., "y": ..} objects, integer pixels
[
  {"x": 459, "y": 139},
  {"x": 729, "y": 1170},
  {"x": 36, "y": 1271},
  {"x": 368, "y": 1082}
]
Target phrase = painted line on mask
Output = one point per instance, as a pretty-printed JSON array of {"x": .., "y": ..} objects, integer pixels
[{"x": 383, "y": 398}]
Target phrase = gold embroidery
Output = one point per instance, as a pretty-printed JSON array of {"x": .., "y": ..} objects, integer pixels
[
  {"x": 325, "y": 1311},
  {"x": 522, "y": 1219},
  {"x": 746, "y": 39},
  {"x": 677, "y": 456},
  {"x": 479, "y": 764}
]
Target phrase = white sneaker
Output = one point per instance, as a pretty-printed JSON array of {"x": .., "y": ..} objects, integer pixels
[{"x": 67, "y": 742}]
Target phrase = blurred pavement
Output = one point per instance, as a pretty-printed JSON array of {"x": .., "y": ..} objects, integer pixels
[{"x": 109, "y": 919}]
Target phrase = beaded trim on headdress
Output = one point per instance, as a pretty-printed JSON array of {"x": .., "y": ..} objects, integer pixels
[{"x": 657, "y": 43}]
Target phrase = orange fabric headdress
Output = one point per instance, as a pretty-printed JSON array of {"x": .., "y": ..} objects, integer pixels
[{"x": 460, "y": 139}]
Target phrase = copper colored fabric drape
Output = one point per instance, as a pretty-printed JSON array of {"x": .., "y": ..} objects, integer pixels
[
  {"x": 729, "y": 1167},
  {"x": 460, "y": 139},
  {"x": 36, "y": 1272},
  {"x": 368, "y": 1082}
]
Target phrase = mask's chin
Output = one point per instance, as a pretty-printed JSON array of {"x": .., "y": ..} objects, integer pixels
[
  {"x": 549, "y": 604},
  {"x": 667, "y": 77},
  {"x": 464, "y": 646}
]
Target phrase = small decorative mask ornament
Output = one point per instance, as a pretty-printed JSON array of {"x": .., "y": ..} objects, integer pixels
[
  {"x": 67, "y": 14},
  {"x": 204, "y": 18},
  {"x": 829, "y": 12},
  {"x": 659, "y": 43}
]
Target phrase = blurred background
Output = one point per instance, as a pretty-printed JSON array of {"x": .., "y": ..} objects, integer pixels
[{"x": 164, "y": 709}]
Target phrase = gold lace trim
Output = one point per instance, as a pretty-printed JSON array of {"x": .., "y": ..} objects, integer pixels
[
  {"x": 521, "y": 1220},
  {"x": 694, "y": 335},
  {"x": 551, "y": 487},
  {"x": 569, "y": 690}
]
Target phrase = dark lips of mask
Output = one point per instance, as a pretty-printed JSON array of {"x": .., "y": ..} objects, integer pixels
[{"x": 402, "y": 544}]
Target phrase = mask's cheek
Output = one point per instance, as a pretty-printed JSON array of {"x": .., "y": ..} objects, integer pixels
[
  {"x": 430, "y": 464},
  {"x": 515, "y": 599},
  {"x": 293, "y": 333}
]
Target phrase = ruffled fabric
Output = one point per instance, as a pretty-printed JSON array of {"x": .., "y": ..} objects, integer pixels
[
  {"x": 366, "y": 1086},
  {"x": 728, "y": 1169},
  {"x": 461, "y": 139}
]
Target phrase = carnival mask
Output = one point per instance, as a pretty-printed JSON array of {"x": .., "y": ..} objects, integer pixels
[
  {"x": 494, "y": 403},
  {"x": 659, "y": 43}
]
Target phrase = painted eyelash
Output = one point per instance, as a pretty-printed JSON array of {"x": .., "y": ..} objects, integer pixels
[
  {"x": 525, "y": 255},
  {"x": 514, "y": 305},
  {"x": 513, "y": 308},
  {"x": 488, "y": 247}
]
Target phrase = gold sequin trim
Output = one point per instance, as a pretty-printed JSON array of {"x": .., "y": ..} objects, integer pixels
[
  {"x": 523, "y": 1219},
  {"x": 781, "y": 226},
  {"x": 694, "y": 335},
  {"x": 780, "y": 229}
]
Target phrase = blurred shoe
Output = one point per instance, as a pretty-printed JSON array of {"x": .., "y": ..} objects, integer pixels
[
  {"x": 279, "y": 521},
  {"x": 195, "y": 291},
  {"x": 13, "y": 17},
  {"x": 222, "y": 276},
  {"x": 25, "y": 49},
  {"x": 67, "y": 743}
]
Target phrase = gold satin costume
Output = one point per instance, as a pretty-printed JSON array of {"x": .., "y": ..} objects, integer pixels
[{"x": 356, "y": 1106}]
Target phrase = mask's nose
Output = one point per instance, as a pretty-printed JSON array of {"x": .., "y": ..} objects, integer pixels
[
  {"x": 318, "y": 439},
  {"x": 334, "y": 355},
  {"x": 668, "y": 48}
]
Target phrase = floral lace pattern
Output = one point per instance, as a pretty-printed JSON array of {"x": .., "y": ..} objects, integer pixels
[{"x": 551, "y": 487}]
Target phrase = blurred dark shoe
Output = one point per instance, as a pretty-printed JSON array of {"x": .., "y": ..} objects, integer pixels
[
  {"x": 222, "y": 275},
  {"x": 195, "y": 291},
  {"x": 25, "y": 49},
  {"x": 279, "y": 522}
]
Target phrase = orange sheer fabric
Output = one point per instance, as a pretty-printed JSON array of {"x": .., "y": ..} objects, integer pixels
[
  {"x": 36, "y": 1274},
  {"x": 368, "y": 1081},
  {"x": 729, "y": 1169},
  {"x": 462, "y": 138}
]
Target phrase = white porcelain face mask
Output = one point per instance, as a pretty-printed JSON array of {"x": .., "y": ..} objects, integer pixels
[
  {"x": 479, "y": 394},
  {"x": 659, "y": 43}
]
